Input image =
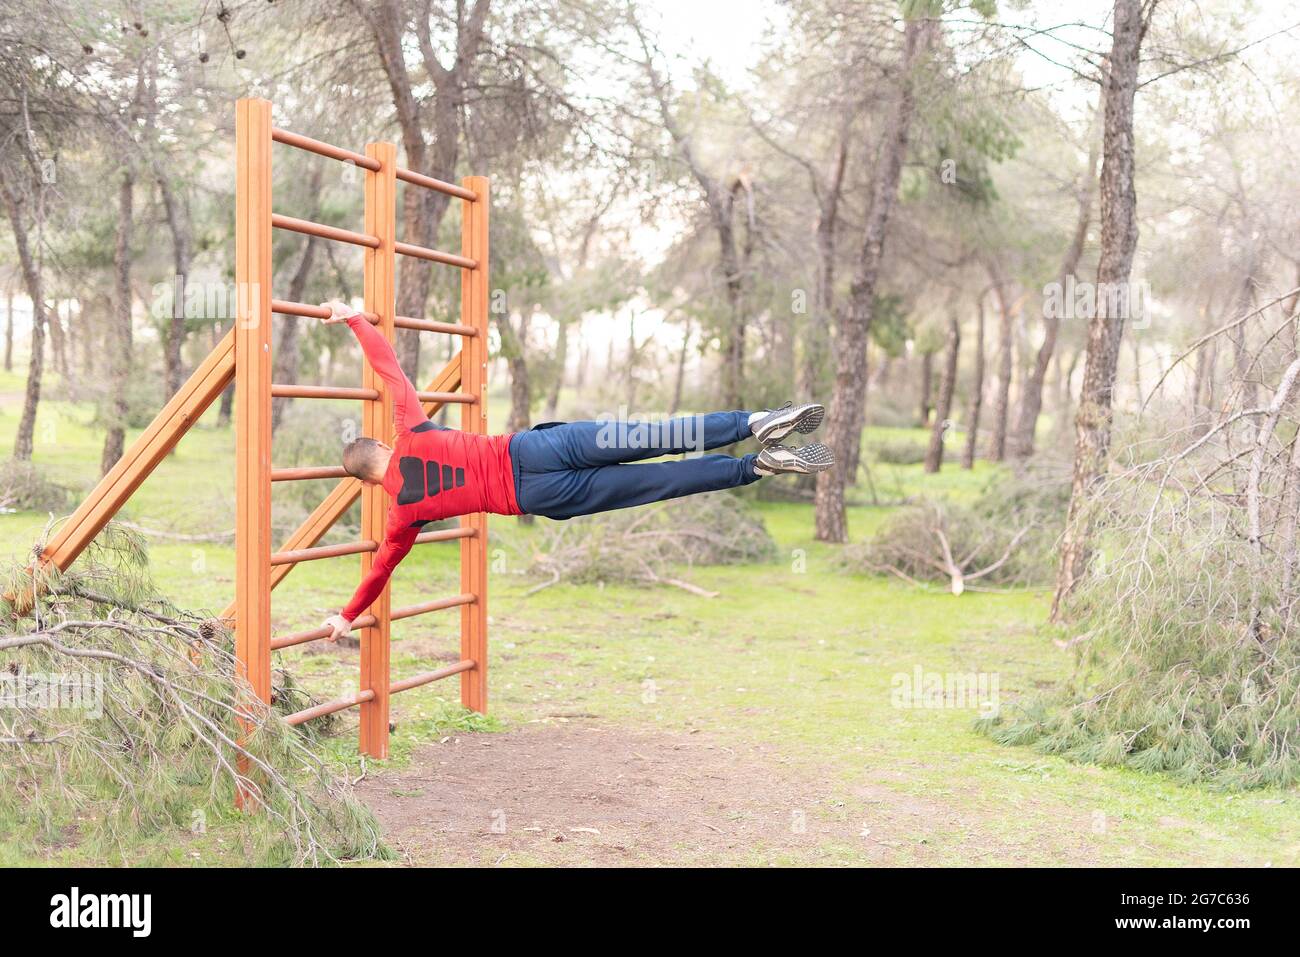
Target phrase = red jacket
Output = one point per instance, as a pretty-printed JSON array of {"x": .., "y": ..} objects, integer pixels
[{"x": 435, "y": 472}]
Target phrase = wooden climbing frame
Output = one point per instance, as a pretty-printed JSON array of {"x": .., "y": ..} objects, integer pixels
[{"x": 245, "y": 356}]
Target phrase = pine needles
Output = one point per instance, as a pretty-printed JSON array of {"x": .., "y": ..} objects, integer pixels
[
  {"x": 122, "y": 720},
  {"x": 1188, "y": 661}
]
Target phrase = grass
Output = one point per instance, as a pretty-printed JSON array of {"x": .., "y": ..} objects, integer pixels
[{"x": 795, "y": 654}]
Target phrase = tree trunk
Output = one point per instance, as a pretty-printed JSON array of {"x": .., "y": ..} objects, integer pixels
[
  {"x": 580, "y": 374},
  {"x": 423, "y": 210},
  {"x": 9, "y": 329},
  {"x": 513, "y": 349},
  {"x": 720, "y": 200},
  {"x": 514, "y": 346},
  {"x": 681, "y": 369},
  {"x": 174, "y": 333},
  {"x": 58, "y": 340},
  {"x": 881, "y": 376},
  {"x": 816, "y": 339},
  {"x": 118, "y": 408},
  {"x": 976, "y": 390},
  {"x": 1137, "y": 367},
  {"x": 1119, "y": 232},
  {"x": 630, "y": 365},
  {"x": 848, "y": 398},
  {"x": 1002, "y": 391},
  {"x": 32, "y": 280},
  {"x": 1244, "y": 369},
  {"x": 733, "y": 271},
  {"x": 561, "y": 361},
  {"x": 1031, "y": 402},
  {"x": 947, "y": 384},
  {"x": 927, "y": 389},
  {"x": 286, "y": 347}
]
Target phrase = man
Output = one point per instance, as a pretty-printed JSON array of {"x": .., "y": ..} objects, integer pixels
[{"x": 557, "y": 470}]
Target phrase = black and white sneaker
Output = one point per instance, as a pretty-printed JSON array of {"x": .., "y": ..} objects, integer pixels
[
  {"x": 783, "y": 460},
  {"x": 776, "y": 424}
]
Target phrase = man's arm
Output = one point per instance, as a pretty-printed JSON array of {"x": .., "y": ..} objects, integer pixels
[
  {"x": 407, "y": 411},
  {"x": 395, "y": 547}
]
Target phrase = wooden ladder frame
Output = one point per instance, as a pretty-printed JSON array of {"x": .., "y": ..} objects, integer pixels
[{"x": 245, "y": 355}]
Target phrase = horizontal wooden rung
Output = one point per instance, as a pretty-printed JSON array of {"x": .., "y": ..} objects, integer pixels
[
  {"x": 439, "y": 604},
  {"x": 286, "y": 391},
  {"x": 329, "y": 707},
  {"x": 428, "y": 325},
  {"x": 416, "y": 680},
  {"x": 434, "y": 255},
  {"x": 317, "y": 552},
  {"x": 308, "y": 473},
  {"x": 446, "y": 534},
  {"x": 367, "y": 620},
  {"x": 288, "y": 308},
  {"x": 428, "y": 182},
  {"x": 449, "y": 397},
  {"x": 315, "y": 634},
  {"x": 323, "y": 149},
  {"x": 322, "y": 231}
]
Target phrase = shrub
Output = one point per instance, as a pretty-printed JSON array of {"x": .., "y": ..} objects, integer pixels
[
  {"x": 642, "y": 545},
  {"x": 897, "y": 451},
  {"x": 23, "y": 488},
  {"x": 1005, "y": 537}
]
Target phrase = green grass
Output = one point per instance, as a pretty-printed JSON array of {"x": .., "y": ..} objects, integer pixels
[{"x": 795, "y": 654}]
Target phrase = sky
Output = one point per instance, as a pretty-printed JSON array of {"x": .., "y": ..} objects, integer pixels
[{"x": 726, "y": 32}]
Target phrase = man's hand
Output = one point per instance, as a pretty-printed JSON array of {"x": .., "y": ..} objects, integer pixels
[
  {"x": 338, "y": 626},
  {"x": 339, "y": 312}
]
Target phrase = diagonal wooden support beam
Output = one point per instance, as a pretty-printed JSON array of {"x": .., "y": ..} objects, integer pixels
[
  {"x": 136, "y": 464},
  {"x": 340, "y": 499}
]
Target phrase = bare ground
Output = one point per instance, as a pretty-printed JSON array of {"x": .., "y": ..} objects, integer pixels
[{"x": 580, "y": 794}]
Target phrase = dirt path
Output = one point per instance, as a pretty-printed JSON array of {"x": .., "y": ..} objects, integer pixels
[{"x": 580, "y": 794}]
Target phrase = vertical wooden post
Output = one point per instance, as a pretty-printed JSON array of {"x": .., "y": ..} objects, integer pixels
[
  {"x": 253, "y": 394},
  {"x": 377, "y": 423},
  {"x": 473, "y": 371}
]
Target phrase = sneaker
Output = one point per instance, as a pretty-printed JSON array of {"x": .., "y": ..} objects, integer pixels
[
  {"x": 781, "y": 459},
  {"x": 776, "y": 424}
]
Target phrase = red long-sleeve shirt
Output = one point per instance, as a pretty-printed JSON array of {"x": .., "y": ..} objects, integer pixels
[{"x": 435, "y": 472}]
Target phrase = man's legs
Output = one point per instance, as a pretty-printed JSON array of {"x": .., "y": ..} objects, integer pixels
[
  {"x": 565, "y": 493},
  {"x": 584, "y": 445}
]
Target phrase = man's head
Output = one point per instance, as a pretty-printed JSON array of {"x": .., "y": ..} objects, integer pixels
[{"x": 367, "y": 459}]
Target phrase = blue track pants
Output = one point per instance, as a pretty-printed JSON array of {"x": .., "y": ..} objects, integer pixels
[{"x": 566, "y": 469}]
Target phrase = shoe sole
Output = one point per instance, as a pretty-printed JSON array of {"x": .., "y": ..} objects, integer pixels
[
  {"x": 807, "y": 421},
  {"x": 809, "y": 459}
]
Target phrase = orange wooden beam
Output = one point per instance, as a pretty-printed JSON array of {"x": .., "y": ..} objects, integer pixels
[
  {"x": 253, "y": 394},
  {"x": 428, "y": 182},
  {"x": 416, "y": 680},
  {"x": 377, "y": 422},
  {"x": 322, "y": 149},
  {"x": 320, "y": 230},
  {"x": 436, "y": 256},
  {"x": 428, "y": 325},
  {"x": 473, "y": 551},
  {"x": 329, "y": 707}
]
